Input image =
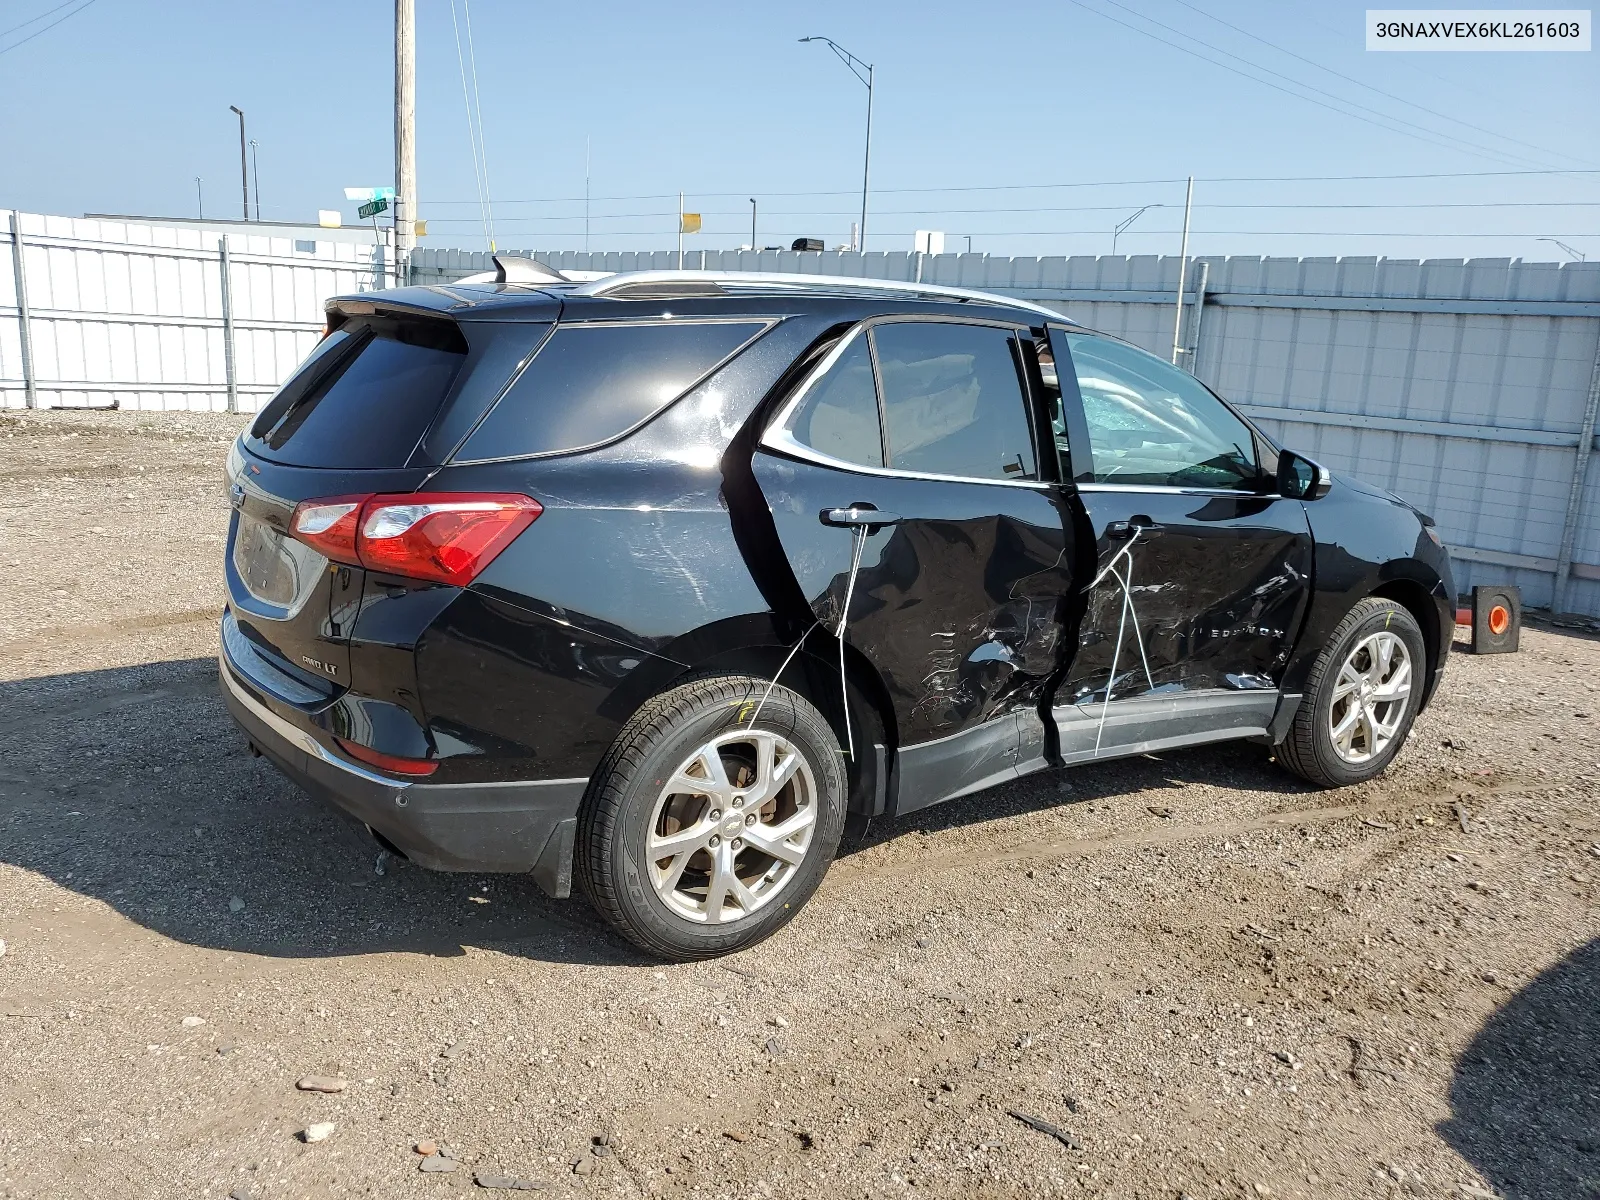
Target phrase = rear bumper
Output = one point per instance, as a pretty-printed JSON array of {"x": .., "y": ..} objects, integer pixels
[{"x": 508, "y": 827}]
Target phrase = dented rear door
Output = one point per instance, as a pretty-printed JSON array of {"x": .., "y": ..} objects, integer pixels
[{"x": 958, "y": 603}]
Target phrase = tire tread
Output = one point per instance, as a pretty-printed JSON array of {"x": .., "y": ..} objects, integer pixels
[{"x": 1298, "y": 751}]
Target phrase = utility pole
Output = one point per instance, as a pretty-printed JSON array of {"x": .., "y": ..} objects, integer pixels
[
  {"x": 244, "y": 166},
  {"x": 587, "y": 165},
  {"x": 1183, "y": 269},
  {"x": 405, "y": 135},
  {"x": 680, "y": 231}
]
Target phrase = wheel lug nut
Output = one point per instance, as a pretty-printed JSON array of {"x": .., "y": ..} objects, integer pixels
[
  {"x": 715, "y": 840},
  {"x": 738, "y": 843},
  {"x": 738, "y": 801},
  {"x": 750, "y": 819},
  {"x": 716, "y": 814}
]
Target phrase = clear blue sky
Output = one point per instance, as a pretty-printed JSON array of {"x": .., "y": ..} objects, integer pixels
[{"x": 122, "y": 104}]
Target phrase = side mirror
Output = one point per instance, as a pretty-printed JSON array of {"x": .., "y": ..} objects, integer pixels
[{"x": 1301, "y": 479}]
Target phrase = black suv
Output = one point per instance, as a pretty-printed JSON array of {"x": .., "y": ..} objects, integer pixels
[{"x": 652, "y": 579}]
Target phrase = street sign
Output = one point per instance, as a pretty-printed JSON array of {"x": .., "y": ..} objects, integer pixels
[
  {"x": 371, "y": 193},
  {"x": 372, "y": 208}
]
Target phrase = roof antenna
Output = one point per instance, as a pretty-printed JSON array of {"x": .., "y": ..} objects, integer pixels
[{"x": 514, "y": 268}]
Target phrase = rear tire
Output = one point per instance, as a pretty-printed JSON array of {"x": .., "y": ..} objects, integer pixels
[
  {"x": 709, "y": 824},
  {"x": 1361, "y": 698}
]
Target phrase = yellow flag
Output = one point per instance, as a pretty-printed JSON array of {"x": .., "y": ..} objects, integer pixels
[{"x": 689, "y": 223}]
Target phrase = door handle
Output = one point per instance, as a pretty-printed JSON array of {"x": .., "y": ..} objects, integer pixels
[
  {"x": 1120, "y": 531},
  {"x": 856, "y": 516}
]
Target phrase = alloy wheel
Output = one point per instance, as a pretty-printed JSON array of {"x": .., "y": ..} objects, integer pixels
[
  {"x": 731, "y": 826},
  {"x": 1370, "y": 697}
]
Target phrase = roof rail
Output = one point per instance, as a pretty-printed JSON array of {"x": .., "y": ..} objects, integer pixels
[{"x": 655, "y": 284}]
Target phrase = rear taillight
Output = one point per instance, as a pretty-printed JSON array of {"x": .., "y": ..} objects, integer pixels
[
  {"x": 329, "y": 526},
  {"x": 447, "y": 537}
]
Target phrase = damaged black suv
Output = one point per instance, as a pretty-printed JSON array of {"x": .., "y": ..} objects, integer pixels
[{"x": 648, "y": 581}]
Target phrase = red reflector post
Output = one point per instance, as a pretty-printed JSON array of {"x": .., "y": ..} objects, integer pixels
[
  {"x": 448, "y": 537},
  {"x": 392, "y": 763}
]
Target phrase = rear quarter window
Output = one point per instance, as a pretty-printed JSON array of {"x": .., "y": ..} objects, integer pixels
[{"x": 592, "y": 383}]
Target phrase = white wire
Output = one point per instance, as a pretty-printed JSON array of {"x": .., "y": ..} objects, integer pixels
[
  {"x": 472, "y": 132},
  {"x": 477, "y": 103},
  {"x": 844, "y": 617},
  {"x": 784, "y": 666}
]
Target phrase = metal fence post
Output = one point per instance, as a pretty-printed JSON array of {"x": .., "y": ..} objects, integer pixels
[
  {"x": 30, "y": 385},
  {"x": 1202, "y": 270},
  {"x": 227, "y": 328},
  {"x": 1580, "y": 469}
]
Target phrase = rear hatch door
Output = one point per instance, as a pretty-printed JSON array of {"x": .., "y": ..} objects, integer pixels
[{"x": 352, "y": 421}]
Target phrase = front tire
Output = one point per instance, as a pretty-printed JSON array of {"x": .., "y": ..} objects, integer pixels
[
  {"x": 1361, "y": 699},
  {"x": 712, "y": 818}
]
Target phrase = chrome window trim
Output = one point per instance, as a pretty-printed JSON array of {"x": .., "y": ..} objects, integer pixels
[
  {"x": 1160, "y": 489},
  {"x": 782, "y": 441},
  {"x": 780, "y": 437}
]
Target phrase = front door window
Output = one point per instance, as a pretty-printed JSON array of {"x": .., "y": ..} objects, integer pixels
[{"x": 1154, "y": 425}]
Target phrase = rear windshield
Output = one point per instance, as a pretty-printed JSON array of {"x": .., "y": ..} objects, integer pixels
[
  {"x": 592, "y": 383},
  {"x": 365, "y": 397}
]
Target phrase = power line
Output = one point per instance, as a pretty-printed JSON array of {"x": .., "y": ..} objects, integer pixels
[
  {"x": 1430, "y": 136},
  {"x": 46, "y": 29},
  {"x": 1351, "y": 79},
  {"x": 1018, "y": 187},
  {"x": 35, "y": 20},
  {"x": 1114, "y": 208},
  {"x": 478, "y": 174}
]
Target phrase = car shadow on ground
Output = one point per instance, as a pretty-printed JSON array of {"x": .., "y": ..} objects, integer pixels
[
  {"x": 133, "y": 786},
  {"x": 1525, "y": 1101}
]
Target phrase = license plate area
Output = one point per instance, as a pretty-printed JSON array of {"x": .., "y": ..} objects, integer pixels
[{"x": 276, "y": 571}]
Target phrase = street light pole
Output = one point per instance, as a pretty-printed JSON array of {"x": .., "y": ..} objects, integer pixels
[
  {"x": 856, "y": 67},
  {"x": 244, "y": 170},
  {"x": 1578, "y": 255},
  {"x": 1122, "y": 225},
  {"x": 255, "y": 176},
  {"x": 753, "y": 245},
  {"x": 200, "y": 196}
]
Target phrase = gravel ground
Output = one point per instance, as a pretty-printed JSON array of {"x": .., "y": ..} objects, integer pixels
[{"x": 1209, "y": 979}]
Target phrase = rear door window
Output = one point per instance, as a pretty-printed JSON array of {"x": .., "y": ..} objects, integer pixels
[
  {"x": 838, "y": 416},
  {"x": 365, "y": 397},
  {"x": 953, "y": 400},
  {"x": 591, "y": 383}
]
